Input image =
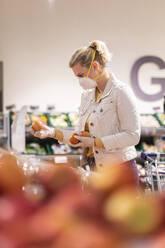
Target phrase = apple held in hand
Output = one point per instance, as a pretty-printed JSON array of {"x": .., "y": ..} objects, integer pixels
[
  {"x": 37, "y": 125},
  {"x": 73, "y": 140}
]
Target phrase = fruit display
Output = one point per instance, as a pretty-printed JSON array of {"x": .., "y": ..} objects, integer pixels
[
  {"x": 44, "y": 204},
  {"x": 56, "y": 120},
  {"x": 149, "y": 120},
  {"x": 149, "y": 148},
  {"x": 49, "y": 146},
  {"x": 52, "y": 149},
  {"x": 151, "y": 123},
  {"x": 64, "y": 120},
  {"x": 34, "y": 148},
  {"x": 61, "y": 149},
  {"x": 73, "y": 116},
  {"x": 71, "y": 119},
  {"x": 59, "y": 120},
  {"x": 43, "y": 118},
  {"x": 161, "y": 118}
]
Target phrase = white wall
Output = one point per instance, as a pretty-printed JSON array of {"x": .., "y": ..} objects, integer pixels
[{"x": 37, "y": 41}]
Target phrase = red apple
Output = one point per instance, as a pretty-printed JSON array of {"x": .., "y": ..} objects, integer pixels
[{"x": 11, "y": 175}]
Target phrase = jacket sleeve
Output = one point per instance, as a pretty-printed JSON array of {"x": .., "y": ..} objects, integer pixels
[{"x": 129, "y": 121}]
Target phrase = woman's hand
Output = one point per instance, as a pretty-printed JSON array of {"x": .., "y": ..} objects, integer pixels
[
  {"x": 80, "y": 144},
  {"x": 44, "y": 132},
  {"x": 85, "y": 141}
]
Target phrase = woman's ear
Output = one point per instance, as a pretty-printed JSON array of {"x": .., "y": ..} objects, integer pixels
[{"x": 95, "y": 65}]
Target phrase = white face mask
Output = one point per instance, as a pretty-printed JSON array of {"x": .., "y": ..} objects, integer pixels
[{"x": 87, "y": 83}]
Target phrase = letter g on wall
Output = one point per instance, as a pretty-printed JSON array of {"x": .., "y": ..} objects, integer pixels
[{"x": 135, "y": 81}]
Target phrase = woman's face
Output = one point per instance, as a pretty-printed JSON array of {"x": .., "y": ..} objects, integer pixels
[{"x": 82, "y": 71}]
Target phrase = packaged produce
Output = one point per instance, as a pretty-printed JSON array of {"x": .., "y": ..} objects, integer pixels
[
  {"x": 45, "y": 204},
  {"x": 37, "y": 125}
]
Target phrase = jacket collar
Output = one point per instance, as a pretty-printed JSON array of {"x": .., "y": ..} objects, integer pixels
[
  {"x": 108, "y": 86},
  {"x": 107, "y": 90}
]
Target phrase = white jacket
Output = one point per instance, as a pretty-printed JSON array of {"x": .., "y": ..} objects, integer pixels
[{"x": 114, "y": 119}]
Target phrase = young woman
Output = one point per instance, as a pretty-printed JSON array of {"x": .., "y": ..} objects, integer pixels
[{"x": 108, "y": 110}]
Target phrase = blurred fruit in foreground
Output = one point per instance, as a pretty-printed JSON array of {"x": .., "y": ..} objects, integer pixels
[
  {"x": 55, "y": 210},
  {"x": 133, "y": 212},
  {"x": 83, "y": 234},
  {"x": 35, "y": 192},
  {"x": 13, "y": 207},
  {"x": 59, "y": 178},
  {"x": 110, "y": 178},
  {"x": 11, "y": 175},
  {"x": 158, "y": 241},
  {"x": 60, "y": 213}
]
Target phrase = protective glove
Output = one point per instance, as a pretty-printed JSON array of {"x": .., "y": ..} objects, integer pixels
[
  {"x": 46, "y": 132},
  {"x": 80, "y": 144},
  {"x": 86, "y": 141}
]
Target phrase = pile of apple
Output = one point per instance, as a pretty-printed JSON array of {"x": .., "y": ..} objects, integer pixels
[{"x": 53, "y": 209}]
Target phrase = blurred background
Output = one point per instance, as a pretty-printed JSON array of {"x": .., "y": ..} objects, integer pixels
[
  {"x": 38, "y": 38},
  {"x": 37, "y": 41}
]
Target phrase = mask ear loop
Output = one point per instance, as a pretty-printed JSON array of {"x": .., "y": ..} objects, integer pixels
[
  {"x": 91, "y": 63},
  {"x": 99, "y": 75}
]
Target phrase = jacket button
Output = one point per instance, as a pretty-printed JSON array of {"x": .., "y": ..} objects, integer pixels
[
  {"x": 101, "y": 110},
  {"x": 94, "y": 137},
  {"x": 94, "y": 111},
  {"x": 97, "y": 152},
  {"x": 91, "y": 124}
]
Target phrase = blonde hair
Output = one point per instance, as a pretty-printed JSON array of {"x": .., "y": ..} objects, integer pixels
[{"x": 84, "y": 55}]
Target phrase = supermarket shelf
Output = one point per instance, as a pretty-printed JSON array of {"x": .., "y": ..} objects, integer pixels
[
  {"x": 153, "y": 131},
  {"x": 50, "y": 157},
  {"x": 73, "y": 159},
  {"x": 27, "y": 129},
  {"x": 148, "y": 134}
]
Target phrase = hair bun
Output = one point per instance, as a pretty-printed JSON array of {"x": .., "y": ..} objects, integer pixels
[
  {"x": 102, "y": 49},
  {"x": 93, "y": 47},
  {"x": 85, "y": 54},
  {"x": 98, "y": 45}
]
